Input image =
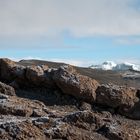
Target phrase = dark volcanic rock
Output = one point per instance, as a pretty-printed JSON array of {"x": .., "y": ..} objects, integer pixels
[
  {"x": 7, "y": 90},
  {"x": 40, "y": 76},
  {"x": 20, "y": 76},
  {"x": 138, "y": 93},
  {"x": 132, "y": 112},
  {"x": 50, "y": 112},
  {"x": 72, "y": 83},
  {"x": 9, "y": 70},
  {"x": 123, "y": 99},
  {"x": 20, "y": 107},
  {"x": 35, "y": 74},
  {"x": 85, "y": 106},
  {"x": 115, "y": 96},
  {"x": 116, "y": 131},
  {"x": 78, "y": 125}
]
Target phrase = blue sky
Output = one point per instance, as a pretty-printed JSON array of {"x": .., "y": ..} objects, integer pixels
[{"x": 80, "y": 32}]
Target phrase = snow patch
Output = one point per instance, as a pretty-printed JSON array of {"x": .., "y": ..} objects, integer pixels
[{"x": 110, "y": 65}]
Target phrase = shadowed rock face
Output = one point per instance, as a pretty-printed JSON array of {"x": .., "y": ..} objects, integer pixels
[
  {"x": 9, "y": 70},
  {"x": 62, "y": 104},
  {"x": 7, "y": 90}
]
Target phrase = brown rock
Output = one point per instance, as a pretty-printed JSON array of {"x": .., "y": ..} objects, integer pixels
[
  {"x": 22, "y": 118},
  {"x": 85, "y": 106},
  {"x": 132, "y": 112},
  {"x": 115, "y": 96},
  {"x": 115, "y": 131},
  {"x": 9, "y": 70},
  {"x": 19, "y": 129},
  {"x": 72, "y": 83},
  {"x": 35, "y": 74},
  {"x": 40, "y": 76},
  {"x": 7, "y": 90},
  {"x": 82, "y": 116},
  {"x": 13, "y": 105},
  {"x": 77, "y": 125},
  {"x": 124, "y": 99},
  {"x": 44, "y": 67}
]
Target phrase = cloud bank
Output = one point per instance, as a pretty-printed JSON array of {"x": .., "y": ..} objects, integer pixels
[{"x": 81, "y": 18}]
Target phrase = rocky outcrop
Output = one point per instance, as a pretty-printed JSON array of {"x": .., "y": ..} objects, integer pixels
[
  {"x": 9, "y": 70},
  {"x": 19, "y": 128},
  {"x": 12, "y": 105},
  {"x": 77, "y": 125},
  {"x": 65, "y": 78},
  {"x": 123, "y": 99},
  {"x": 48, "y": 103},
  {"x": 115, "y": 96},
  {"x": 30, "y": 76},
  {"x": 87, "y": 125},
  {"x": 7, "y": 90},
  {"x": 35, "y": 74},
  {"x": 40, "y": 76},
  {"x": 72, "y": 83}
]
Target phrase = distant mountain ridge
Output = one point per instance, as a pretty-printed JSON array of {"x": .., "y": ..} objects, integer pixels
[{"x": 110, "y": 65}]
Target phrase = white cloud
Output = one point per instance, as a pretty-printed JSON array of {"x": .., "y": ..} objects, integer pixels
[
  {"x": 129, "y": 60},
  {"x": 128, "y": 41},
  {"x": 81, "y": 18}
]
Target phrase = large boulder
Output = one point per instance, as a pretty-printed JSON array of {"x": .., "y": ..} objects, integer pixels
[
  {"x": 72, "y": 83},
  {"x": 35, "y": 74},
  {"x": 9, "y": 70},
  {"x": 115, "y": 96},
  {"x": 122, "y": 98},
  {"x": 134, "y": 111},
  {"x": 39, "y": 76},
  {"x": 6, "y": 89}
]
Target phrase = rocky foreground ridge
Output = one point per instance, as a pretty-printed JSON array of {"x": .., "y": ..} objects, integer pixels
[{"x": 42, "y": 103}]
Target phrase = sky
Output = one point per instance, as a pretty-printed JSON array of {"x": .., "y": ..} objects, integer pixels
[{"x": 79, "y": 32}]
